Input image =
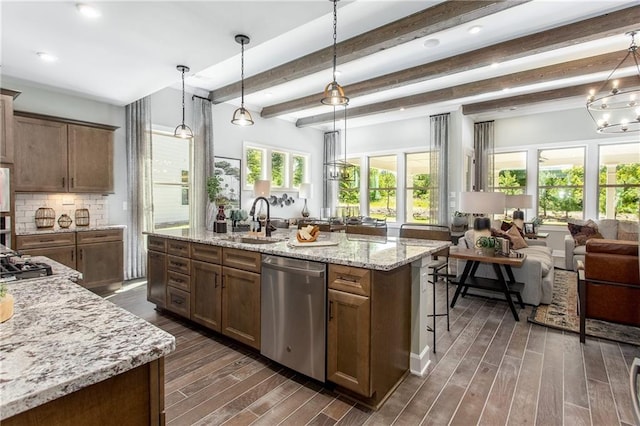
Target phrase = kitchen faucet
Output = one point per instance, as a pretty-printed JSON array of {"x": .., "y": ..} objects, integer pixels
[{"x": 252, "y": 212}]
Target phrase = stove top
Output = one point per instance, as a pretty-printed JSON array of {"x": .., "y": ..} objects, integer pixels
[{"x": 21, "y": 270}]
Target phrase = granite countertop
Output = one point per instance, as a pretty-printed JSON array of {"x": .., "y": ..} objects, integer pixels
[
  {"x": 363, "y": 251},
  {"x": 62, "y": 338},
  {"x": 72, "y": 228}
]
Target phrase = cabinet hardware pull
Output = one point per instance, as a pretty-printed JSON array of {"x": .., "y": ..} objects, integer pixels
[
  {"x": 47, "y": 241},
  {"x": 330, "y": 310},
  {"x": 72, "y": 182},
  {"x": 215, "y": 280},
  {"x": 100, "y": 236},
  {"x": 63, "y": 181},
  {"x": 350, "y": 280},
  {"x": 72, "y": 254},
  {"x": 177, "y": 301},
  {"x": 81, "y": 250}
]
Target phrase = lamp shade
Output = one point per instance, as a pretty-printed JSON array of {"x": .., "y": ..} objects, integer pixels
[
  {"x": 262, "y": 188},
  {"x": 305, "y": 191},
  {"x": 482, "y": 202},
  {"x": 521, "y": 201}
]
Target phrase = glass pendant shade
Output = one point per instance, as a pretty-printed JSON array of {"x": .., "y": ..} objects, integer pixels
[
  {"x": 242, "y": 117},
  {"x": 182, "y": 130},
  {"x": 334, "y": 95},
  {"x": 612, "y": 108}
]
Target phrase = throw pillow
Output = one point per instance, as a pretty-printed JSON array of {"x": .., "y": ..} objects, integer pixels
[
  {"x": 517, "y": 242},
  {"x": 628, "y": 230},
  {"x": 508, "y": 225},
  {"x": 582, "y": 233}
]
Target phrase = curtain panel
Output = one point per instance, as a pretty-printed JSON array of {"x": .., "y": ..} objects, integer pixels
[
  {"x": 438, "y": 159},
  {"x": 139, "y": 192},
  {"x": 201, "y": 210},
  {"x": 483, "y": 144}
]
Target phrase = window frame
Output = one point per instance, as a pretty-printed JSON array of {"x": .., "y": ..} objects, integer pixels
[
  {"x": 395, "y": 189},
  {"x": 266, "y": 172},
  {"x": 408, "y": 188},
  {"x": 600, "y": 186}
]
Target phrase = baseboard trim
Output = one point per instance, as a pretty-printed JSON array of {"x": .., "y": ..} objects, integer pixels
[{"x": 418, "y": 364}]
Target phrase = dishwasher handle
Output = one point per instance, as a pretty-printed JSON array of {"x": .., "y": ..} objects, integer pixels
[{"x": 292, "y": 269}]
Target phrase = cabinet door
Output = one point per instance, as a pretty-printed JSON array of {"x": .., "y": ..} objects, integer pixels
[
  {"x": 100, "y": 263},
  {"x": 348, "y": 341},
  {"x": 90, "y": 159},
  {"x": 64, "y": 255},
  {"x": 241, "y": 306},
  {"x": 6, "y": 129},
  {"x": 40, "y": 155},
  {"x": 206, "y": 294},
  {"x": 157, "y": 278}
]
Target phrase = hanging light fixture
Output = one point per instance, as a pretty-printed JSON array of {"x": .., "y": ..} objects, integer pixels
[
  {"x": 182, "y": 130},
  {"x": 333, "y": 92},
  {"x": 241, "y": 116},
  {"x": 618, "y": 110},
  {"x": 340, "y": 169}
]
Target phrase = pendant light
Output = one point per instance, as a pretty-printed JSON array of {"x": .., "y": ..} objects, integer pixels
[
  {"x": 241, "y": 116},
  {"x": 333, "y": 92},
  {"x": 182, "y": 130}
]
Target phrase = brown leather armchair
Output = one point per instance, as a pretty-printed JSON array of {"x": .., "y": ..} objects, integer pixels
[{"x": 609, "y": 285}]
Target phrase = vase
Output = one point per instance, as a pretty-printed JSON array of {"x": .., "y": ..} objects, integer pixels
[
  {"x": 488, "y": 251},
  {"x": 220, "y": 216}
]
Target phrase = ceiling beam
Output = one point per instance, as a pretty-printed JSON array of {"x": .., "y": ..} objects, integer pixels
[
  {"x": 534, "y": 98},
  {"x": 607, "y": 25},
  {"x": 420, "y": 24},
  {"x": 575, "y": 68}
]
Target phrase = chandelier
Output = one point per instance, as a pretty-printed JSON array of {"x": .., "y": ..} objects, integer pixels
[
  {"x": 333, "y": 92},
  {"x": 340, "y": 169},
  {"x": 613, "y": 109}
]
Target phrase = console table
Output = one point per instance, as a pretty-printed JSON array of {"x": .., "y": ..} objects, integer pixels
[{"x": 499, "y": 284}]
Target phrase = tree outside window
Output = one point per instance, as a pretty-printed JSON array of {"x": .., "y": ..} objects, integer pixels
[
  {"x": 561, "y": 184},
  {"x": 418, "y": 181},
  {"x": 619, "y": 181},
  {"x": 382, "y": 187},
  {"x": 253, "y": 163},
  {"x": 349, "y": 191}
]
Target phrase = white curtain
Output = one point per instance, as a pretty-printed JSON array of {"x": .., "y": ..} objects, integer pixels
[
  {"x": 483, "y": 144},
  {"x": 140, "y": 218},
  {"x": 439, "y": 183},
  {"x": 202, "y": 166}
]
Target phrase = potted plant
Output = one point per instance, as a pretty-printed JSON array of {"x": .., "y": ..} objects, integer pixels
[
  {"x": 487, "y": 245},
  {"x": 6, "y": 303}
]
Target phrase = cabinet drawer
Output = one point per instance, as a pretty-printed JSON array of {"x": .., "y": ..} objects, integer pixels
[
  {"x": 241, "y": 259},
  {"x": 45, "y": 240},
  {"x": 178, "y": 301},
  {"x": 206, "y": 253},
  {"x": 178, "y": 264},
  {"x": 178, "y": 248},
  {"x": 350, "y": 280},
  {"x": 87, "y": 237},
  {"x": 157, "y": 244},
  {"x": 179, "y": 280}
]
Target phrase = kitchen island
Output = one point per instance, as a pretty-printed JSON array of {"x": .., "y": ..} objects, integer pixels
[
  {"x": 68, "y": 356},
  {"x": 376, "y": 297}
]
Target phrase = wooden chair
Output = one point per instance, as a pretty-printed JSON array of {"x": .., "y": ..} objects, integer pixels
[
  {"x": 439, "y": 265},
  {"x": 380, "y": 231}
]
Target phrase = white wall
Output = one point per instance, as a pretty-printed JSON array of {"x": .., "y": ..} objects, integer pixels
[{"x": 228, "y": 140}]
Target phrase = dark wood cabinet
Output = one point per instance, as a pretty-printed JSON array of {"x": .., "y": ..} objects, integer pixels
[
  {"x": 241, "y": 306},
  {"x": 65, "y": 255},
  {"x": 206, "y": 294},
  {"x": 60, "y": 247},
  {"x": 100, "y": 258},
  {"x": 6, "y": 129},
  {"x": 58, "y": 155},
  {"x": 157, "y": 278}
]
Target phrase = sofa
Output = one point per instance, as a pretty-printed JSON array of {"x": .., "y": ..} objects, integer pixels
[
  {"x": 612, "y": 293},
  {"x": 610, "y": 229},
  {"x": 536, "y": 272}
]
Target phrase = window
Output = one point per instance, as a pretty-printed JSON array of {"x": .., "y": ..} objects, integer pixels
[
  {"x": 285, "y": 169},
  {"x": 349, "y": 191},
  {"x": 510, "y": 176},
  {"x": 382, "y": 187},
  {"x": 418, "y": 181},
  {"x": 561, "y": 184},
  {"x": 619, "y": 181},
  {"x": 171, "y": 172}
]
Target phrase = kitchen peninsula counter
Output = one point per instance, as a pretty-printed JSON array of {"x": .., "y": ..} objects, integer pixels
[
  {"x": 68, "y": 352},
  {"x": 361, "y": 251}
]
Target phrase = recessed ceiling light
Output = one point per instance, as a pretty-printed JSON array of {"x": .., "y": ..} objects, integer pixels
[
  {"x": 495, "y": 65},
  {"x": 88, "y": 11},
  {"x": 338, "y": 72},
  {"x": 475, "y": 29},
  {"x": 506, "y": 89},
  {"x": 402, "y": 109},
  {"x": 47, "y": 57},
  {"x": 268, "y": 94},
  {"x": 430, "y": 43}
]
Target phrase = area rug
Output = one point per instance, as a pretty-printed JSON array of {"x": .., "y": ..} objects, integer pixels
[{"x": 562, "y": 313}]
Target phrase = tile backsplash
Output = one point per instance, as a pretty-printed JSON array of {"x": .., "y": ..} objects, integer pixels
[{"x": 27, "y": 204}]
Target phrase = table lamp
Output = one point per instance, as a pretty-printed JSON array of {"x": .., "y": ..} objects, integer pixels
[
  {"x": 305, "y": 192},
  {"x": 482, "y": 203},
  {"x": 519, "y": 201},
  {"x": 262, "y": 188}
]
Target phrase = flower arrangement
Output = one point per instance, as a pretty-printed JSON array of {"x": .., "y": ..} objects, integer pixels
[{"x": 487, "y": 244}]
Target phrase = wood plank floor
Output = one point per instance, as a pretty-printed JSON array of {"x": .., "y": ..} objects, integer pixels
[{"x": 489, "y": 370}]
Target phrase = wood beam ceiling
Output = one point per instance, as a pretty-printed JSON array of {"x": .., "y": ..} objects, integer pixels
[
  {"x": 437, "y": 18},
  {"x": 575, "y": 68},
  {"x": 513, "y": 102},
  {"x": 611, "y": 24}
]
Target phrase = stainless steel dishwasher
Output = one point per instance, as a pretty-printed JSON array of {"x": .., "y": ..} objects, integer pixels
[{"x": 293, "y": 314}]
